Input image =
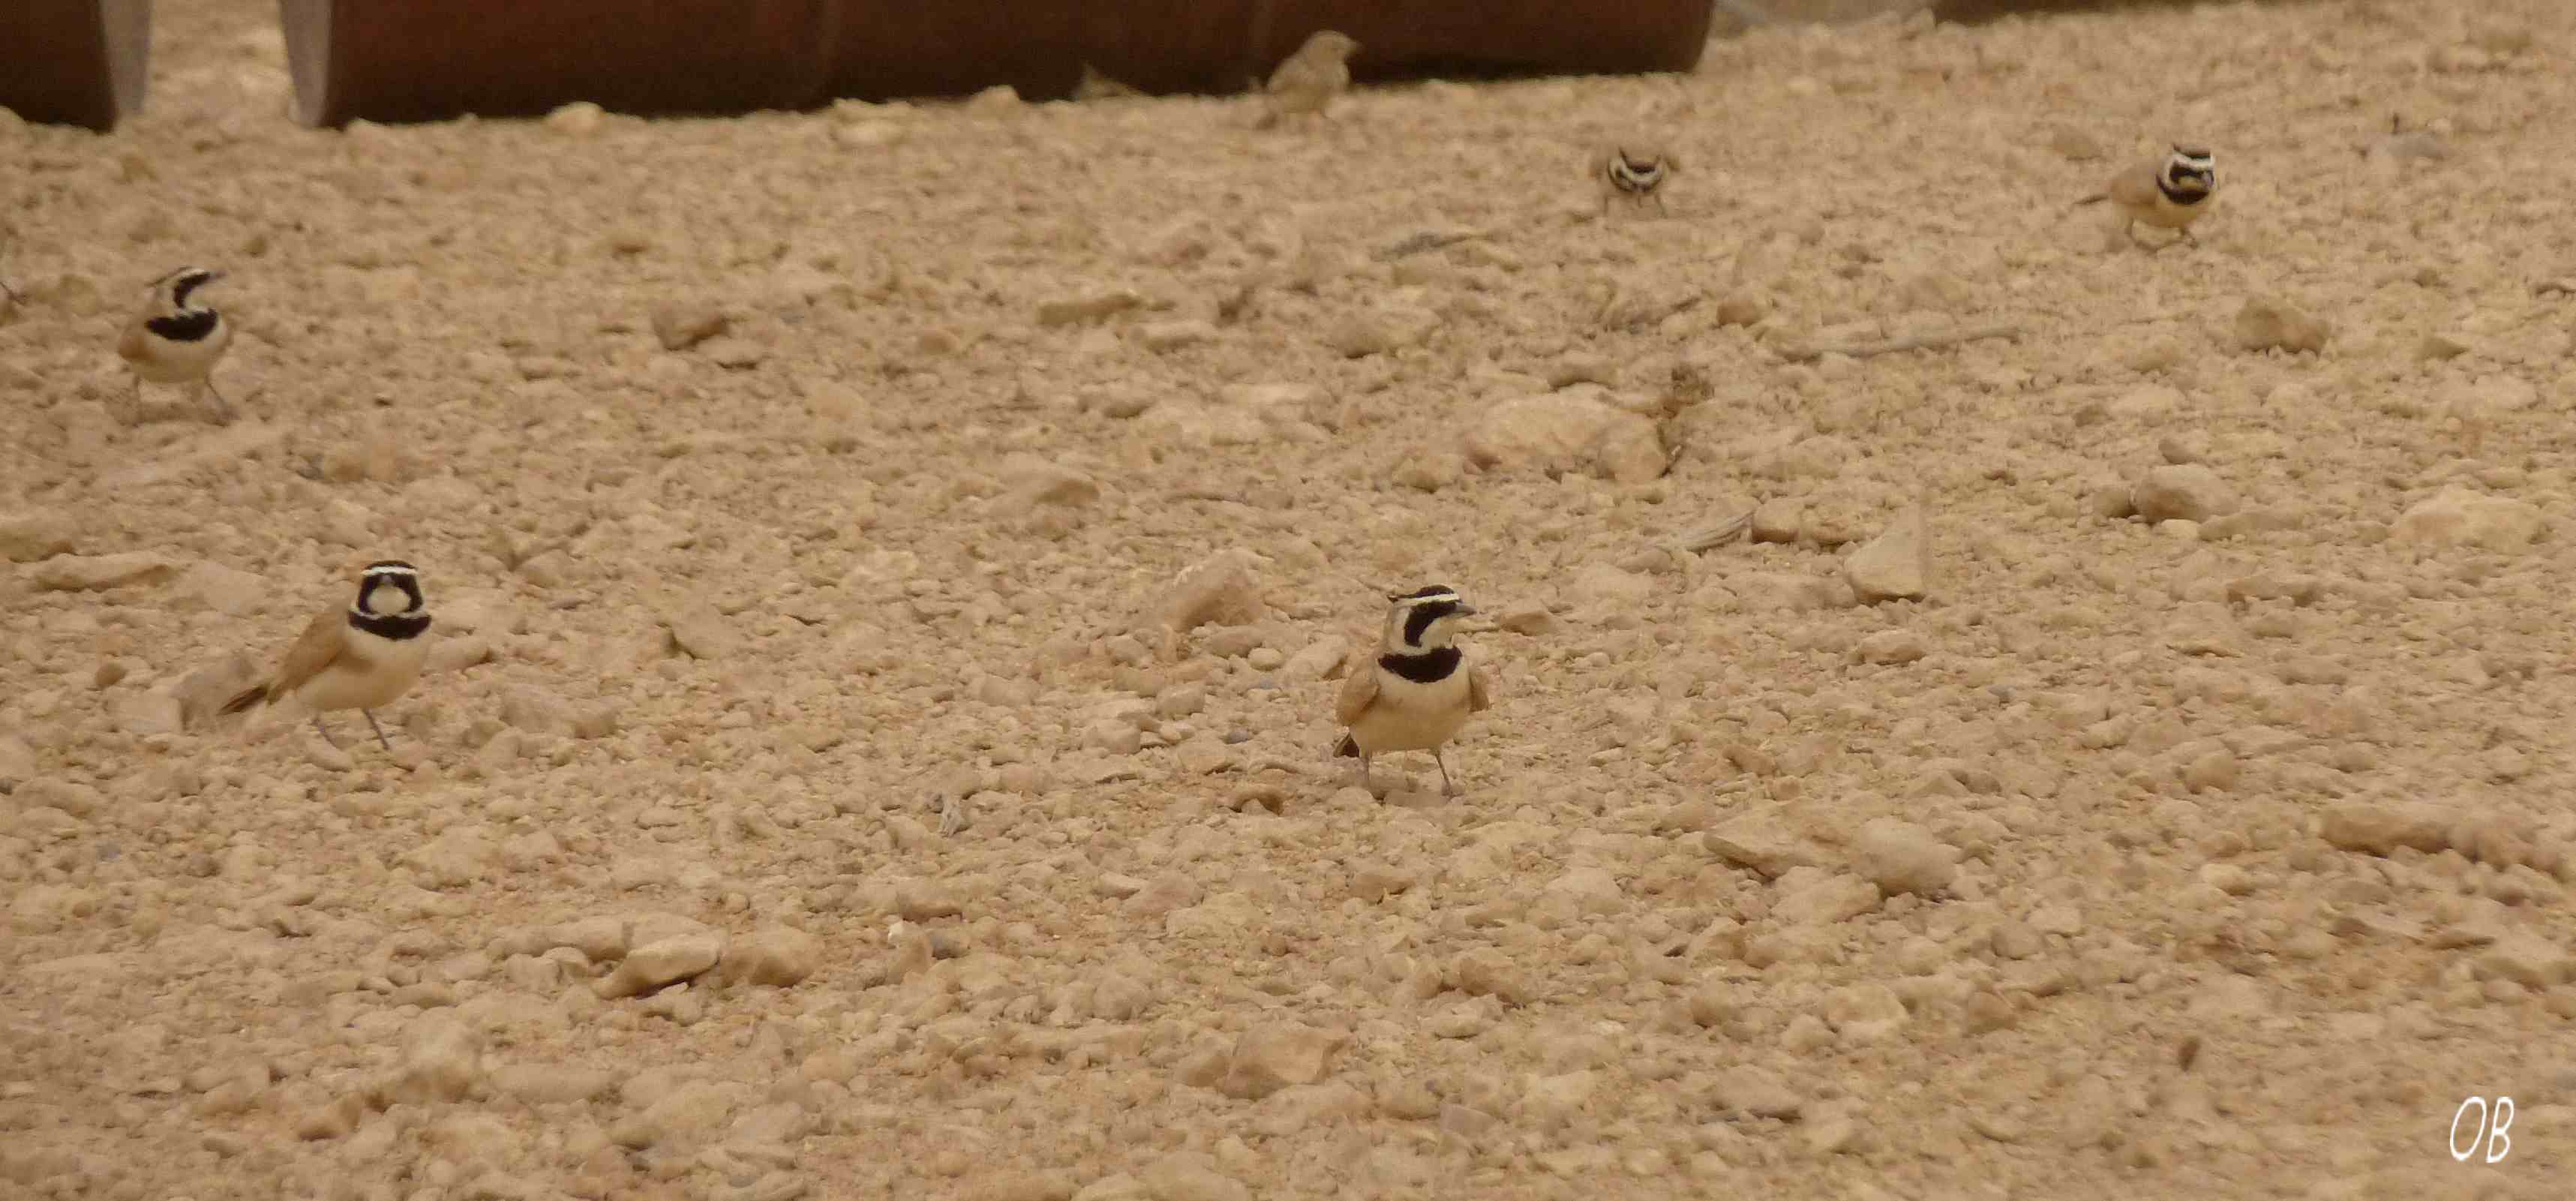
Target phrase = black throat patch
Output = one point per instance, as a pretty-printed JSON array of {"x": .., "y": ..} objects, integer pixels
[
  {"x": 1429, "y": 667},
  {"x": 396, "y": 626},
  {"x": 2185, "y": 197},
  {"x": 194, "y": 325}
]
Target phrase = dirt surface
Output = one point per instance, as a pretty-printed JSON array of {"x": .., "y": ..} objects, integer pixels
[{"x": 823, "y": 669}]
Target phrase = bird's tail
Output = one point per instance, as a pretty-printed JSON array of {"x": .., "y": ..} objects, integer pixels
[
  {"x": 246, "y": 698},
  {"x": 1347, "y": 748}
]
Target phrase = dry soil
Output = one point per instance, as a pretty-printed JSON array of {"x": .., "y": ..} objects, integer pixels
[{"x": 812, "y": 796}]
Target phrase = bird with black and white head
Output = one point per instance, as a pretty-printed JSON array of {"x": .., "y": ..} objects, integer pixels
[
  {"x": 2168, "y": 193},
  {"x": 1419, "y": 689},
  {"x": 362, "y": 658},
  {"x": 175, "y": 338}
]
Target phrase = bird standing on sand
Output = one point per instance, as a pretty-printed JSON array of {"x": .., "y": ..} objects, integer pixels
[
  {"x": 174, "y": 340},
  {"x": 2170, "y": 194},
  {"x": 1418, "y": 690},
  {"x": 1307, "y": 82},
  {"x": 363, "y": 659}
]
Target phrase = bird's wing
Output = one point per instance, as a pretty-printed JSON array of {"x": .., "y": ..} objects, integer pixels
[
  {"x": 1480, "y": 689},
  {"x": 1358, "y": 692},
  {"x": 2135, "y": 187},
  {"x": 129, "y": 345},
  {"x": 322, "y": 642}
]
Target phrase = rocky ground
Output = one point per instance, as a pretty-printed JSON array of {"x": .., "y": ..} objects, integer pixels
[{"x": 893, "y": 563}]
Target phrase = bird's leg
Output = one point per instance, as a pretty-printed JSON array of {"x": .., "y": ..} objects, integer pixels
[
  {"x": 1660, "y": 209},
  {"x": 326, "y": 731},
  {"x": 1447, "y": 786},
  {"x": 370, "y": 715},
  {"x": 1362, "y": 779},
  {"x": 223, "y": 407}
]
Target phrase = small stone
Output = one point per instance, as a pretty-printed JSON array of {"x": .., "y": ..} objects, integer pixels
[
  {"x": 2378, "y": 829},
  {"x": 1758, "y": 843},
  {"x": 2267, "y": 324},
  {"x": 1776, "y": 521},
  {"x": 1902, "y": 857},
  {"x": 442, "y": 1061},
  {"x": 1425, "y": 470},
  {"x": 1379, "y": 331},
  {"x": 776, "y": 956},
  {"x": 1754, "y": 1093},
  {"x": 1889, "y": 647},
  {"x": 1224, "y": 589},
  {"x": 1187, "y": 1176},
  {"x": 579, "y": 119},
  {"x": 701, "y": 633},
  {"x": 1039, "y": 481},
  {"x": 1896, "y": 565},
  {"x": 225, "y": 590},
  {"x": 2185, "y": 491},
  {"x": 1089, "y": 307},
  {"x": 683, "y": 324},
  {"x": 662, "y": 963},
  {"x": 1837, "y": 897},
  {"x": 1273, "y": 1056},
  {"x": 2459, "y": 517},
  {"x": 35, "y": 534},
  {"x": 1568, "y": 432},
  {"x": 92, "y": 573},
  {"x": 1163, "y": 337}
]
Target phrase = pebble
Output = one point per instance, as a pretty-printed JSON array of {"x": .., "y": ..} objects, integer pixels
[
  {"x": 29, "y": 535},
  {"x": 1888, "y": 647},
  {"x": 2263, "y": 324},
  {"x": 1223, "y": 589},
  {"x": 777, "y": 956},
  {"x": 1569, "y": 431},
  {"x": 2459, "y": 517},
  {"x": 2182, "y": 491},
  {"x": 1896, "y": 565},
  {"x": 91, "y": 573},
  {"x": 679, "y": 325},
  {"x": 661, "y": 963},
  {"x": 701, "y": 633},
  {"x": 1273, "y": 1056},
  {"x": 1902, "y": 857}
]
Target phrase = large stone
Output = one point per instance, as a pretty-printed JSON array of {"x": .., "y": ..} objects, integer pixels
[
  {"x": 2182, "y": 491},
  {"x": 1900, "y": 856},
  {"x": 1271, "y": 1057},
  {"x": 1223, "y": 589},
  {"x": 663, "y": 963},
  {"x": 1896, "y": 565},
  {"x": 1568, "y": 432},
  {"x": 2459, "y": 517}
]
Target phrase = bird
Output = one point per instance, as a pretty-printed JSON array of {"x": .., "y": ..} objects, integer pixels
[
  {"x": 362, "y": 659},
  {"x": 1419, "y": 689},
  {"x": 1310, "y": 78},
  {"x": 1635, "y": 169},
  {"x": 2166, "y": 195},
  {"x": 175, "y": 341}
]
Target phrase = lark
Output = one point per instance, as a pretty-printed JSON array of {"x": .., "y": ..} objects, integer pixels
[
  {"x": 1636, "y": 170},
  {"x": 363, "y": 658},
  {"x": 174, "y": 339},
  {"x": 2165, "y": 195},
  {"x": 1309, "y": 80},
  {"x": 1419, "y": 689}
]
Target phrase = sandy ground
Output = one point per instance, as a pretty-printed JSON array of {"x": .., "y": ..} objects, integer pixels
[{"x": 2221, "y": 851}]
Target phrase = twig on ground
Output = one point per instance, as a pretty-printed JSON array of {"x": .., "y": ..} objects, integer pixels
[{"x": 1799, "y": 353}]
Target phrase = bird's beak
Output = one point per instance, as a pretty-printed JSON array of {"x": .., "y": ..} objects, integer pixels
[
  {"x": 1466, "y": 610},
  {"x": 212, "y": 276}
]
